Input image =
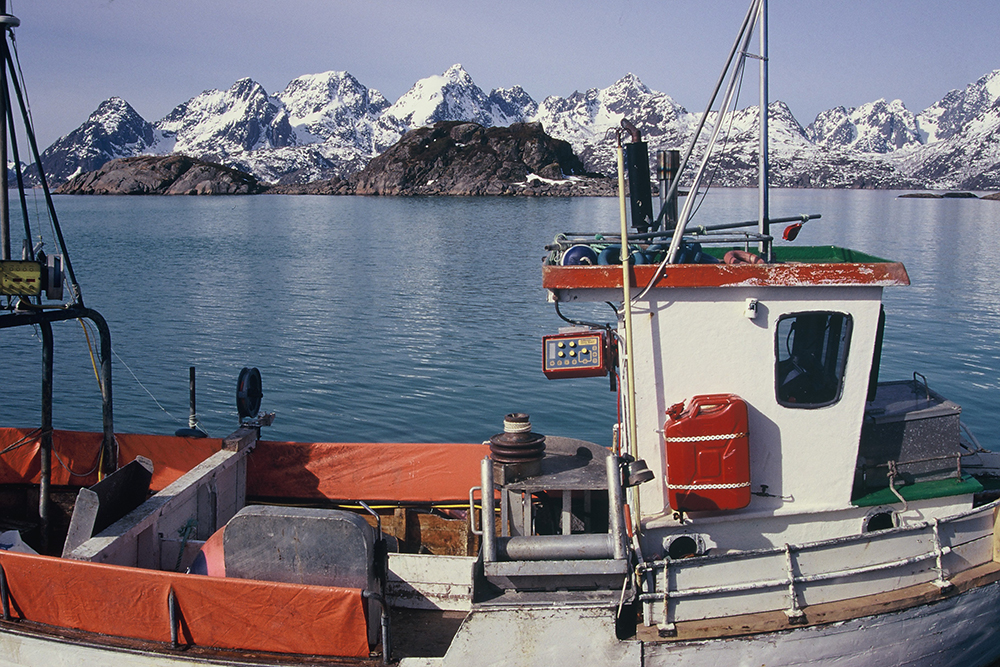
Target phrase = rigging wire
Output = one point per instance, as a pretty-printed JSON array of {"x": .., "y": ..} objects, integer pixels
[
  {"x": 139, "y": 382},
  {"x": 94, "y": 356},
  {"x": 731, "y": 111}
]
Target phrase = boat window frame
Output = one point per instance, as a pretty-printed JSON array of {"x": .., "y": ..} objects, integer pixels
[{"x": 836, "y": 368}]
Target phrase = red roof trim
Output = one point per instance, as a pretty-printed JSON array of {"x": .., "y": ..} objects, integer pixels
[{"x": 728, "y": 275}]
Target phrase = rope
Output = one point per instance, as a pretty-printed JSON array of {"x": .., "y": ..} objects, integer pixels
[
  {"x": 516, "y": 427},
  {"x": 705, "y": 438},
  {"x": 707, "y": 487}
]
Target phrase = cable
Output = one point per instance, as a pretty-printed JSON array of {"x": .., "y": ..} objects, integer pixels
[
  {"x": 27, "y": 438},
  {"x": 143, "y": 386},
  {"x": 93, "y": 362}
]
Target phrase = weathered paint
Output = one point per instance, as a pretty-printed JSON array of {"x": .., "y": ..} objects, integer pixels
[{"x": 727, "y": 275}]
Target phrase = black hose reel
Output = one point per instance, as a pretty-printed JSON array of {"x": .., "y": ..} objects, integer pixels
[{"x": 248, "y": 393}]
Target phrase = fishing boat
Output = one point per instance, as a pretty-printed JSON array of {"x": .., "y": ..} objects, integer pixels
[{"x": 764, "y": 497}]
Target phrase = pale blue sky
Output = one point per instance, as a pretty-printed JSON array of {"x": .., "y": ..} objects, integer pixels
[{"x": 159, "y": 53}]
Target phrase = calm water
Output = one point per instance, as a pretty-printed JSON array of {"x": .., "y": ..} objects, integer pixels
[{"x": 380, "y": 319}]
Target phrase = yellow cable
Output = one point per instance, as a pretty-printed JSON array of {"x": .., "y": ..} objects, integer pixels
[
  {"x": 90, "y": 349},
  {"x": 100, "y": 385}
]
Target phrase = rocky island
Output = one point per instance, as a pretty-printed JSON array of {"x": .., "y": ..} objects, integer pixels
[
  {"x": 448, "y": 158},
  {"x": 161, "y": 175}
]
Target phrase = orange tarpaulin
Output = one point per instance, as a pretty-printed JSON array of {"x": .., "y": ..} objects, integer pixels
[
  {"x": 221, "y": 613},
  {"x": 395, "y": 472},
  {"x": 78, "y": 451}
]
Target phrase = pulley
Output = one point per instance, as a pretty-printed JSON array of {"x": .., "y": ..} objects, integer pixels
[{"x": 248, "y": 393}]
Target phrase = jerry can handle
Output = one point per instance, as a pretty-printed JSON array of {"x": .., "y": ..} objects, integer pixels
[{"x": 709, "y": 403}]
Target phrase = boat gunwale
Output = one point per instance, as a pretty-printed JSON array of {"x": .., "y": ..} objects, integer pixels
[{"x": 826, "y": 613}]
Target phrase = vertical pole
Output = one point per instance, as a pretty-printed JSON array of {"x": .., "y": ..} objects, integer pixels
[
  {"x": 45, "y": 443},
  {"x": 193, "y": 417},
  {"x": 110, "y": 449},
  {"x": 663, "y": 179},
  {"x": 629, "y": 394},
  {"x": 672, "y": 165},
  {"x": 616, "y": 508},
  {"x": 488, "y": 511},
  {"x": 4, "y": 111},
  {"x": 764, "y": 225}
]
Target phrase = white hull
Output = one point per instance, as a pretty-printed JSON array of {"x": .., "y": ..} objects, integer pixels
[
  {"x": 958, "y": 631},
  {"x": 955, "y": 631}
]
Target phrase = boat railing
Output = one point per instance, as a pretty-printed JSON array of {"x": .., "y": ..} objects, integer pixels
[{"x": 793, "y": 577}]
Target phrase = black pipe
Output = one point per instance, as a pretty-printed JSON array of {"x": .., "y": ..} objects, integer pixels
[
  {"x": 4, "y": 209},
  {"x": 4, "y": 594},
  {"x": 109, "y": 445},
  {"x": 45, "y": 443},
  {"x": 45, "y": 317}
]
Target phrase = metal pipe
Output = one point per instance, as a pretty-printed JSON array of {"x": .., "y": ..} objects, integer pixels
[
  {"x": 696, "y": 591},
  {"x": 45, "y": 442},
  {"x": 107, "y": 404},
  {"x": 624, "y": 255},
  {"x": 763, "y": 203},
  {"x": 386, "y": 645},
  {"x": 488, "y": 512},
  {"x": 4, "y": 112},
  {"x": 616, "y": 508},
  {"x": 582, "y": 546},
  {"x": 4, "y": 594},
  {"x": 591, "y": 237}
]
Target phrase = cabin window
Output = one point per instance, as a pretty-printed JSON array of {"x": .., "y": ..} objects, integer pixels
[{"x": 810, "y": 357}]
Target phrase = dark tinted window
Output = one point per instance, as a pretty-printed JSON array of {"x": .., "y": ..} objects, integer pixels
[{"x": 810, "y": 356}]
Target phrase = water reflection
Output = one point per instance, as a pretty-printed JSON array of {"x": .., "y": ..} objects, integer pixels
[{"x": 375, "y": 319}]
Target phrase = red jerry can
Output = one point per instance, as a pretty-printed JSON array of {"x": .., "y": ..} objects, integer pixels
[{"x": 708, "y": 454}]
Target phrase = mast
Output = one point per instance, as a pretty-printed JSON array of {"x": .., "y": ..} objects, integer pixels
[
  {"x": 4, "y": 207},
  {"x": 763, "y": 212}
]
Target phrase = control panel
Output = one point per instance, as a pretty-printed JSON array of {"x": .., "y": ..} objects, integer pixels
[
  {"x": 20, "y": 278},
  {"x": 575, "y": 354}
]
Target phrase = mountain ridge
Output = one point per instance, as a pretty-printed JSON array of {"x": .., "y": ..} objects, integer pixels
[{"x": 331, "y": 125}]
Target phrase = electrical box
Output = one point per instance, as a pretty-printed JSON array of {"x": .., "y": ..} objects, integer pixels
[
  {"x": 575, "y": 354},
  {"x": 20, "y": 278}
]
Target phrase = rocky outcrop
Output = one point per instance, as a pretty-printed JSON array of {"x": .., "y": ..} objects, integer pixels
[
  {"x": 155, "y": 175},
  {"x": 463, "y": 158}
]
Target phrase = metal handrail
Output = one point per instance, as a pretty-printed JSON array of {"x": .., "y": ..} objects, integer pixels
[{"x": 936, "y": 552}]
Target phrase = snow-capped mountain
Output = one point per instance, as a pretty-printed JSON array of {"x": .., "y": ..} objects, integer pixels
[
  {"x": 451, "y": 96},
  {"x": 945, "y": 119},
  {"x": 114, "y": 130},
  {"x": 584, "y": 119},
  {"x": 329, "y": 124},
  {"x": 876, "y": 127}
]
